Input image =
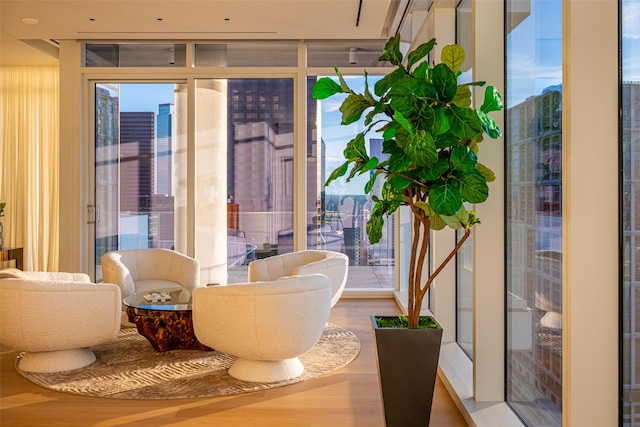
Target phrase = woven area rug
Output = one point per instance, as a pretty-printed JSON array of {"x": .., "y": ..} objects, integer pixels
[{"x": 129, "y": 368}]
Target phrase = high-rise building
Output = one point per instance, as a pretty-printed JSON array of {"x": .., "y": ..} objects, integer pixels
[
  {"x": 260, "y": 176},
  {"x": 107, "y": 175},
  {"x": 631, "y": 241},
  {"x": 164, "y": 149},
  {"x": 534, "y": 215},
  {"x": 137, "y": 136}
]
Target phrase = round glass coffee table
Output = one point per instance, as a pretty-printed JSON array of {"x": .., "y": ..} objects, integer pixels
[{"x": 163, "y": 317}]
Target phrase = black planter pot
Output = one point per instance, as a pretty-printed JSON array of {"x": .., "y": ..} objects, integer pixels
[{"x": 407, "y": 365}]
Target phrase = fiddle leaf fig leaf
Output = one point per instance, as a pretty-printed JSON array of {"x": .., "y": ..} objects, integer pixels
[
  {"x": 355, "y": 170},
  {"x": 489, "y": 125},
  {"x": 444, "y": 198},
  {"x": 384, "y": 84},
  {"x": 352, "y": 108},
  {"x": 392, "y": 51},
  {"x": 420, "y": 52},
  {"x": 392, "y": 197},
  {"x": 486, "y": 172},
  {"x": 369, "y": 185},
  {"x": 473, "y": 219},
  {"x": 374, "y": 226},
  {"x": 421, "y": 70},
  {"x": 404, "y": 94},
  {"x": 398, "y": 117},
  {"x": 425, "y": 207},
  {"x": 437, "y": 223},
  {"x": 421, "y": 149},
  {"x": 367, "y": 93},
  {"x": 492, "y": 100},
  {"x": 356, "y": 150},
  {"x": 446, "y": 140},
  {"x": 371, "y": 164},
  {"x": 343, "y": 84},
  {"x": 399, "y": 162},
  {"x": 434, "y": 172},
  {"x": 453, "y": 56},
  {"x": 389, "y": 131},
  {"x": 465, "y": 123},
  {"x": 398, "y": 182},
  {"x": 389, "y": 146},
  {"x": 473, "y": 146},
  {"x": 463, "y": 96},
  {"x": 457, "y": 220},
  {"x": 443, "y": 121},
  {"x": 445, "y": 82},
  {"x": 324, "y": 88},
  {"x": 462, "y": 159},
  {"x": 337, "y": 173},
  {"x": 473, "y": 187}
]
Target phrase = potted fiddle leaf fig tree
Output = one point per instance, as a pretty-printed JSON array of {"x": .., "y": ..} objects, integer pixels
[{"x": 432, "y": 137}]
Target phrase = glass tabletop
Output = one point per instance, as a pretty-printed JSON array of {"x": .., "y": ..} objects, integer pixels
[{"x": 173, "y": 299}]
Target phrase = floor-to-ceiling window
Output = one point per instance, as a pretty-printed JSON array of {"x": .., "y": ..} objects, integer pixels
[
  {"x": 630, "y": 127},
  {"x": 534, "y": 210},
  {"x": 158, "y": 184},
  {"x": 464, "y": 258},
  {"x": 338, "y": 213}
]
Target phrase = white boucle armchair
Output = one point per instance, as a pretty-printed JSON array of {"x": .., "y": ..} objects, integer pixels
[
  {"x": 140, "y": 270},
  {"x": 267, "y": 325},
  {"x": 334, "y": 265},
  {"x": 55, "y": 317}
]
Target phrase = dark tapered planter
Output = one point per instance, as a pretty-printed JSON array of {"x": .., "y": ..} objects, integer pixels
[{"x": 407, "y": 365}]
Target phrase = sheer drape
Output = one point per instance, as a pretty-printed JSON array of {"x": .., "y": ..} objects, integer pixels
[{"x": 29, "y": 106}]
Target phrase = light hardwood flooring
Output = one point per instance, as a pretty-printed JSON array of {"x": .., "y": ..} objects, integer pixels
[{"x": 347, "y": 397}]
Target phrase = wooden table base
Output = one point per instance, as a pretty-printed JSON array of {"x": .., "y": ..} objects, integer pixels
[{"x": 166, "y": 330}]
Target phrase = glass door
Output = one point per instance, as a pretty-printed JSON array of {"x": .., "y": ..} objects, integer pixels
[{"x": 137, "y": 176}]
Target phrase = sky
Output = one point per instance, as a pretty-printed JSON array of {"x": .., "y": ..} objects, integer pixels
[
  {"x": 631, "y": 40},
  {"x": 145, "y": 97}
]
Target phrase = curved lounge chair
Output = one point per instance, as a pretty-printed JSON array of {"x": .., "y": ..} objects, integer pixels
[
  {"x": 334, "y": 265},
  {"x": 56, "y": 317},
  {"x": 267, "y": 325}
]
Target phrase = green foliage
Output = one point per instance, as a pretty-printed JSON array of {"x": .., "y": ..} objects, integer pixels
[
  {"x": 426, "y": 322},
  {"x": 431, "y": 134}
]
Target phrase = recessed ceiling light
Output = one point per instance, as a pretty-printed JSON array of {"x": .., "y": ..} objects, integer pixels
[{"x": 30, "y": 21}]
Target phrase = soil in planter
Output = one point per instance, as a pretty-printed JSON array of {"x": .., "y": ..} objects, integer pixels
[{"x": 426, "y": 322}]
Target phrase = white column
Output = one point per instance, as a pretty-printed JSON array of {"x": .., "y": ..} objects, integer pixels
[
  {"x": 590, "y": 214},
  {"x": 211, "y": 180},
  {"x": 300, "y": 154},
  {"x": 73, "y": 163},
  {"x": 488, "y": 237}
]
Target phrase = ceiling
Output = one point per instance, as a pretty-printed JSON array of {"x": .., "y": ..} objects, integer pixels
[{"x": 34, "y": 43}]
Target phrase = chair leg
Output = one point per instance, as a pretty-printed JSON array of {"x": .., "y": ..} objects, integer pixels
[
  {"x": 56, "y": 361},
  {"x": 266, "y": 371}
]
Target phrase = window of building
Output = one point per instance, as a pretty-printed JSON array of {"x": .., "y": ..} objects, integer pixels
[
  {"x": 464, "y": 258},
  {"x": 630, "y": 146},
  {"x": 534, "y": 211}
]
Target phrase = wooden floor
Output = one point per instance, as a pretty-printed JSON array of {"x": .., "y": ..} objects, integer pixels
[{"x": 347, "y": 397}]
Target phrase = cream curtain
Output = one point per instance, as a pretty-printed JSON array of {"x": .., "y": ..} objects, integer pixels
[{"x": 29, "y": 166}]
